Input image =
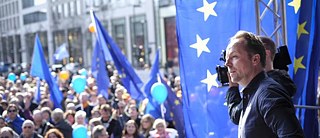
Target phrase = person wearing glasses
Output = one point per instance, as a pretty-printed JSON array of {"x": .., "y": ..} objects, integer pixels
[
  {"x": 13, "y": 120},
  {"x": 28, "y": 130}
]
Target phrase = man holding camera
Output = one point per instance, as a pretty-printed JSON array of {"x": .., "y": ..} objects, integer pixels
[
  {"x": 266, "y": 109},
  {"x": 280, "y": 76}
]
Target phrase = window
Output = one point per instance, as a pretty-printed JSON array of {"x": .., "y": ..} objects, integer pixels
[
  {"x": 75, "y": 44},
  {"x": 119, "y": 33},
  {"x": 139, "y": 41},
  {"x": 34, "y": 17}
]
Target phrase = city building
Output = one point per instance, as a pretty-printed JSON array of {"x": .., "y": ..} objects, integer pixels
[{"x": 139, "y": 27}]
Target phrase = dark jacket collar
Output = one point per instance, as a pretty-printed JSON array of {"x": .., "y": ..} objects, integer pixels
[{"x": 254, "y": 83}]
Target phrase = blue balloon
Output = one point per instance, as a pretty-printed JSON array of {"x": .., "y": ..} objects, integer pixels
[
  {"x": 12, "y": 77},
  {"x": 79, "y": 131},
  {"x": 23, "y": 76},
  {"x": 79, "y": 84},
  {"x": 159, "y": 92}
]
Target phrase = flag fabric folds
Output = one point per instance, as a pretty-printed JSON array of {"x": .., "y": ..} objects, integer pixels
[
  {"x": 129, "y": 78},
  {"x": 172, "y": 104},
  {"x": 203, "y": 29},
  {"x": 99, "y": 70},
  {"x": 303, "y": 38},
  {"x": 61, "y": 52},
  {"x": 39, "y": 68}
]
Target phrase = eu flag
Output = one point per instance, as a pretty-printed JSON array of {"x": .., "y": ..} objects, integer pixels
[
  {"x": 204, "y": 28},
  {"x": 129, "y": 78},
  {"x": 39, "y": 68},
  {"x": 172, "y": 104},
  {"x": 99, "y": 70},
  {"x": 303, "y": 34}
]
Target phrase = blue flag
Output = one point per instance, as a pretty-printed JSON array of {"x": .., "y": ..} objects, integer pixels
[
  {"x": 172, "y": 104},
  {"x": 37, "y": 95},
  {"x": 153, "y": 107},
  {"x": 303, "y": 34},
  {"x": 61, "y": 53},
  {"x": 94, "y": 63},
  {"x": 203, "y": 29},
  {"x": 129, "y": 78},
  {"x": 99, "y": 70},
  {"x": 39, "y": 68}
]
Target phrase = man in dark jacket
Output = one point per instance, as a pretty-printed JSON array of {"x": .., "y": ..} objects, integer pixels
[
  {"x": 280, "y": 76},
  {"x": 267, "y": 110},
  {"x": 60, "y": 123}
]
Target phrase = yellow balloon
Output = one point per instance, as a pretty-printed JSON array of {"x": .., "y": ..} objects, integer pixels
[
  {"x": 64, "y": 75},
  {"x": 91, "y": 28}
]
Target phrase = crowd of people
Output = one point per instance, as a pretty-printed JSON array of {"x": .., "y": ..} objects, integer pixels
[{"x": 118, "y": 116}]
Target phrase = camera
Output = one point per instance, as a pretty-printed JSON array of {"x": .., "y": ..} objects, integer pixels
[
  {"x": 282, "y": 58},
  {"x": 222, "y": 71}
]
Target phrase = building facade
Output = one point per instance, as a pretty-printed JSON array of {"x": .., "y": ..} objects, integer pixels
[{"x": 139, "y": 27}]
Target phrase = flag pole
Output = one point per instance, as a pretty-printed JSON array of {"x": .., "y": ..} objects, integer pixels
[{"x": 162, "y": 108}]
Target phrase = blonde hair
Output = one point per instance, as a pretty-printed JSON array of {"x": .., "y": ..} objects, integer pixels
[{"x": 159, "y": 121}]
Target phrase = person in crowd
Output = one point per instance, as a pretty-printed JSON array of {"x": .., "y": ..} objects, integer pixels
[
  {"x": 120, "y": 115},
  {"x": 84, "y": 104},
  {"x": 71, "y": 106},
  {"x": 7, "y": 132},
  {"x": 28, "y": 103},
  {"x": 69, "y": 116},
  {"x": 28, "y": 130},
  {"x": 46, "y": 113},
  {"x": 99, "y": 132},
  {"x": 131, "y": 130},
  {"x": 54, "y": 133},
  {"x": 46, "y": 103},
  {"x": 118, "y": 96},
  {"x": 161, "y": 130},
  {"x": 2, "y": 122},
  {"x": 95, "y": 113},
  {"x": 280, "y": 76},
  {"x": 13, "y": 120},
  {"x": 267, "y": 109},
  {"x": 134, "y": 114},
  {"x": 61, "y": 124},
  {"x": 92, "y": 123},
  {"x": 146, "y": 125},
  {"x": 41, "y": 125},
  {"x": 80, "y": 119},
  {"x": 113, "y": 126},
  {"x": 101, "y": 100}
]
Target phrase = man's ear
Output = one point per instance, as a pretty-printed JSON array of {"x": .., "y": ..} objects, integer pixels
[{"x": 256, "y": 59}]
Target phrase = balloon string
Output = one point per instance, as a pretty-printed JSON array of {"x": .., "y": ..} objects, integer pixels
[{"x": 158, "y": 77}]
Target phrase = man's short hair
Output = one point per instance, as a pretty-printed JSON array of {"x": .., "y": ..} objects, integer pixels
[
  {"x": 57, "y": 115},
  {"x": 253, "y": 45},
  {"x": 269, "y": 45}
]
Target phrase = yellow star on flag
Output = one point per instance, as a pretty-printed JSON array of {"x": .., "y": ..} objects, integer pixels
[
  {"x": 301, "y": 29},
  {"x": 296, "y": 5},
  {"x": 298, "y": 64},
  {"x": 176, "y": 102}
]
